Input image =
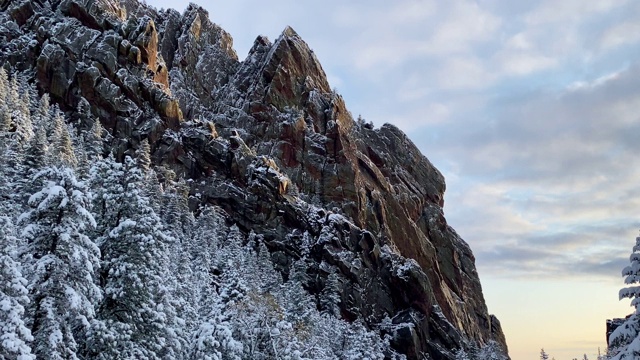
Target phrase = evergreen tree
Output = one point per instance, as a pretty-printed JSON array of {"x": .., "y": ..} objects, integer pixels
[
  {"x": 223, "y": 289},
  {"x": 82, "y": 159},
  {"x": 175, "y": 207},
  {"x": 36, "y": 153},
  {"x": 213, "y": 338},
  {"x": 15, "y": 336},
  {"x": 8, "y": 204},
  {"x": 258, "y": 267},
  {"x": 299, "y": 304},
  {"x": 42, "y": 116},
  {"x": 359, "y": 343},
  {"x": 17, "y": 131},
  {"x": 18, "y": 104},
  {"x": 625, "y": 340},
  {"x": 143, "y": 156},
  {"x": 107, "y": 180},
  {"x": 202, "y": 247},
  {"x": 5, "y": 114},
  {"x": 543, "y": 355},
  {"x": 330, "y": 296},
  {"x": 34, "y": 159},
  {"x": 62, "y": 151},
  {"x": 138, "y": 311},
  {"x": 4, "y": 88},
  {"x": 5, "y": 124},
  {"x": 61, "y": 262},
  {"x": 94, "y": 145}
]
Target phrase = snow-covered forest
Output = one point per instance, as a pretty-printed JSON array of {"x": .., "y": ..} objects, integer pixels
[{"x": 102, "y": 258}]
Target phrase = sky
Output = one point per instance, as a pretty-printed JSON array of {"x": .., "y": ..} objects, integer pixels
[{"x": 531, "y": 111}]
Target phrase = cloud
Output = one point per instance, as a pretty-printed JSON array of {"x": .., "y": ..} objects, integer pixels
[
  {"x": 620, "y": 34},
  {"x": 520, "y": 63},
  {"x": 560, "y": 256},
  {"x": 463, "y": 73},
  {"x": 550, "y": 185},
  {"x": 550, "y": 11},
  {"x": 465, "y": 24}
]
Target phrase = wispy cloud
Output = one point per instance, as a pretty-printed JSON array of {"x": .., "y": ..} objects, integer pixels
[{"x": 558, "y": 180}]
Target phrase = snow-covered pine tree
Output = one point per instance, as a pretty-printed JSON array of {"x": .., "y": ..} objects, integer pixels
[
  {"x": 8, "y": 199},
  {"x": 83, "y": 164},
  {"x": 107, "y": 179},
  {"x": 202, "y": 246},
  {"x": 15, "y": 336},
  {"x": 261, "y": 268},
  {"x": 223, "y": 321},
  {"x": 61, "y": 262},
  {"x": 624, "y": 342},
  {"x": 543, "y": 355},
  {"x": 330, "y": 295},
  {"x": 175, "y": 201},
  {"x": 35, "y": 158},
  {"x": 138, "y": 312},
  {"x": 5, "y": 125},
  {"x": 31, "y": 97},
  {"x": 4, "y": 88},
  {"x": 17, "y": 131},
  {"x": 36, "y": 153},
  {"x": 5, "y": 114},
  {"x": 213, "y": 337},
  {"x": 359, "y": 343},
  {"x": 231, "y": 247},
  {"x": 143, "y": 156},
  {"x": 42, "y": 114},
  {"x": 94, "y": 145},
  {"x": 298, "y": 304},
  {"x": 83, "y": 112},
  {"x": 18, "y": 104},
  {"x": 179, "y": 222},
  {"x": 62, "y": 151}
]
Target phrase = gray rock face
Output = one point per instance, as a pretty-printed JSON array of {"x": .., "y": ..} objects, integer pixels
[{"x": 272, "y": 145}]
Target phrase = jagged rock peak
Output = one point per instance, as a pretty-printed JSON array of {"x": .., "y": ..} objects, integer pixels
[
  {"x": 201, "y": 25},
  {"x": 203, "y": 59},
  {"x": 288, "y": 31},
  {"x": 260, "y": 42},
  {"x": 292, "y": 54}
]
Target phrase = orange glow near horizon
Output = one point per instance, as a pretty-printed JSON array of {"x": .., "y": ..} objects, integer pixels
[{"x": 527, "y": 310}]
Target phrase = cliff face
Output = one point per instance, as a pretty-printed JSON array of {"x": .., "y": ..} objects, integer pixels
[{"x": 269, "y": 142}]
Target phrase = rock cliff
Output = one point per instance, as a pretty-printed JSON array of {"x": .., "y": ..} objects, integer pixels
[{"x": 268, "y": 141}]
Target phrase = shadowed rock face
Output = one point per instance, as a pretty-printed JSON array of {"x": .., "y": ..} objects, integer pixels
[{"x": 270, "y": 143}]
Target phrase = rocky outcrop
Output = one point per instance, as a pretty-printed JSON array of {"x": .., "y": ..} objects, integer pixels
[
  {"x": 95, "y": 54},
  {"x": 271, "y": 144},
  {"x": 198, "y": 47}
]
